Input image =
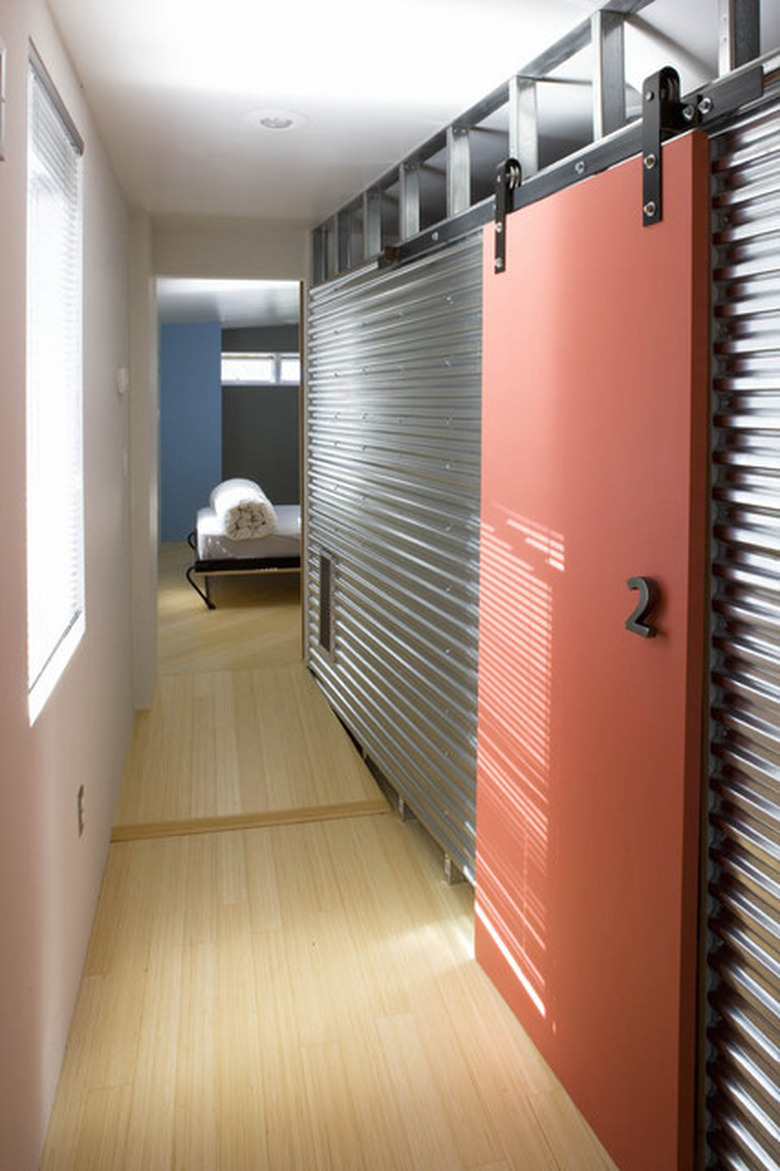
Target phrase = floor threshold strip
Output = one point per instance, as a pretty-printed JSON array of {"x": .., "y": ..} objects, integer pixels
[{"x": 244, "y": 821}]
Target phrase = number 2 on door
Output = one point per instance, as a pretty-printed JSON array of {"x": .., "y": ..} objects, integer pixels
[{"x": 637, "y": 622}]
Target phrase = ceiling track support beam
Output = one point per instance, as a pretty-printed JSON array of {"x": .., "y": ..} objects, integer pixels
[
  {"x": 458, "y": 170},
  {"x": 344, "y": 239},
  {"x": 524, "y": 124},
  {"x": 741, "y": 73},
  {"x": 330, "y": 250},
  {"x": 409, "y": 200},
  {"x": 713, "y": 103},
  {"x": 520, "y": 93},
  {"x": 739, "y": 33},
  {"x": 609, "y": 72},
  {"x": 372, "y": 223},
  {"x": 319, "y": 260}
]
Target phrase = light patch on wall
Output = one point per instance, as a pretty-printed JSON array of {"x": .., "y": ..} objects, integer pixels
[
  {"x": 520, "y": 561},
  {"x": 2, "y": 99},
  {"x": 536, "y": 1000}
]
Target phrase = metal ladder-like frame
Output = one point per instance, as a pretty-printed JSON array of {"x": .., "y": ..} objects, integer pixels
[{"x": 357, "y": 234}]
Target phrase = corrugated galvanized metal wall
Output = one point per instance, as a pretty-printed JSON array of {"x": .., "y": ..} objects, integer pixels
[
  {"x": 744, "y": 851},
  {"x": 392, "y": 496}
]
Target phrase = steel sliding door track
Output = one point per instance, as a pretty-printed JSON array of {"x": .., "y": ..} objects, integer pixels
[{"x": 712, "y": 105}]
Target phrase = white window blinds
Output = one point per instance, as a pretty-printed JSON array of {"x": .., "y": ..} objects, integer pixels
[
  {"x": 55, "y": 508},
  {"x": 251, "y": 369}
]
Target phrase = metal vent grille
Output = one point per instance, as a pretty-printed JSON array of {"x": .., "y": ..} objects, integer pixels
[
  {"x": 744, "y": 852},
  {"x": 326, "y": 631},
  {"x": 393, "y": 467}
]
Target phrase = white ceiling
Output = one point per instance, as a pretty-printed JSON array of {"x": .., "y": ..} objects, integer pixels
[{"x": 177, "y": 85}]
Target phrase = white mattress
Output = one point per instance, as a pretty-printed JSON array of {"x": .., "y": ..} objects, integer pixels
[{"x": 213, "y": 545}]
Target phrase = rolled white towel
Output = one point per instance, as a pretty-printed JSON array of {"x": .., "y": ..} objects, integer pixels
[
  {"x": 244, "y": 510},
  {"x": 250, "y": 519},
  {"x": 232, "y": 492}
]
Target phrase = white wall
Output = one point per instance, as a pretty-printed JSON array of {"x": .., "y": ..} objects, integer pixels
[
  {"x": 256, "y": 249},
  {"x": 49, "y": 877}
]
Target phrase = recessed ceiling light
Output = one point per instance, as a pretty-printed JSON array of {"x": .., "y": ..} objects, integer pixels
[
  {"x": 278, "y": 120},
  {"x": 274, "y": 122}
]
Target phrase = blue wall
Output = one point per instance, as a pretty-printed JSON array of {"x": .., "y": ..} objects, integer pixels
[{"x": 190, "y": 423}]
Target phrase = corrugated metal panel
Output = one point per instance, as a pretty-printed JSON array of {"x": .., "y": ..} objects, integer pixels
[
  {"x": 393, "y": 467},
  {"x": 744, "y": 856}
]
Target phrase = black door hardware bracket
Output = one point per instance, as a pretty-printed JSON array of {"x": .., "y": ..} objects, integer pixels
[
  {"x": 663, "y": 114},
  {"x": 509, "y": 175}
]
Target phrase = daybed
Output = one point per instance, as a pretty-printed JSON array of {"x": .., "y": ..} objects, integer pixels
[{"x": 240, "y": 508}]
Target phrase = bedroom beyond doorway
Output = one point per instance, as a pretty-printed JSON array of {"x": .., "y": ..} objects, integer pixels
[{"x": 230, "y": 389}]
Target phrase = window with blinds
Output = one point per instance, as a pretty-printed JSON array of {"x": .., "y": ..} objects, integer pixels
[
  {"x": 55, "y": 481},
  {"x": 249, "y": 369}
]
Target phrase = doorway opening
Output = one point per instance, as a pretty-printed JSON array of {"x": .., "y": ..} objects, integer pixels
[{"x": 230, "y": 409}]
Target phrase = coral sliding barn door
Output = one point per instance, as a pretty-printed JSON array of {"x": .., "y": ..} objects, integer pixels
[{"x": 594, "y": 474}]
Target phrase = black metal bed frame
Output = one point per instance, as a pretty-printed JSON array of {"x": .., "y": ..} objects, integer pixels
[{"x": 228, "y": 566}]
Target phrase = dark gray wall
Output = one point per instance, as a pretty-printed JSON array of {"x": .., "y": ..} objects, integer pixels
[
  {"x": 260, "y": 439},
  {"x": 272, "y": 339},
  {"x": 260, "y": 423}
]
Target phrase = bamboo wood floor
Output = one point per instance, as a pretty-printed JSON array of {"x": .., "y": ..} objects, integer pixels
[
  {"x": 295, "y": 996},
  {"x": 256, "y": 622}
]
